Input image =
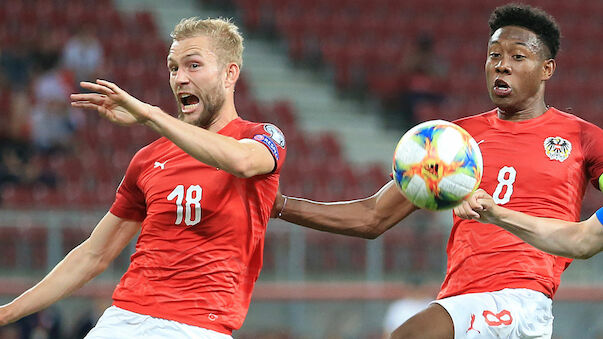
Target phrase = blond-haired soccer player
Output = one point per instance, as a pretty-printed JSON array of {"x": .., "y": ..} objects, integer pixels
[
  {"x": 571, "y": 239},
  {"x": 200, "y": 196}
]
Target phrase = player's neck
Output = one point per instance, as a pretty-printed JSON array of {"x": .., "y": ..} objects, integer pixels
[
  {"x": 521, "y": 114},
  {"x": 227, "y": 114}
]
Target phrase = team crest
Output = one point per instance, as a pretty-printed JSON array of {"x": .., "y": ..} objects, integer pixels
[
  {"x": 275, "y": 134},
  {"x": 557, "y": 148}
]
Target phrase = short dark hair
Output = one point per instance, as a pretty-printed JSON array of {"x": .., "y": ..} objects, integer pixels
[{"x": 531, "y": 18}]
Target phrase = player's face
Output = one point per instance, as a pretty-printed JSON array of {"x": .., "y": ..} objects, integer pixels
[
  {"x": 515, "y": 69},
  {"x": 196, "y": 78}
]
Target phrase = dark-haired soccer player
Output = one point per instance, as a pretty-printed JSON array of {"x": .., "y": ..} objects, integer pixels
[
  {"x": 537, "y": 160},
  {"x": 579, "y": 240},
  {"x": 200, "y": 197}
]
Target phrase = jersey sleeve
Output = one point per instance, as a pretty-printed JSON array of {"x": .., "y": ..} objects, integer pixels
[
  {"x": 592, "y": 140},
  {"x": 129, "y": 200},
  {"x": 272, "y": 138},
  {"x": 599, "y": 214}
]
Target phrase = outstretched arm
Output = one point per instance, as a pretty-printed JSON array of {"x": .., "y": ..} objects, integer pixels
[
  {"x": 242, "y": 158},
  {"x": 365, "y": 218},
  {"x": 579, "y": 240},
  {"x": 83, "y": 263}
]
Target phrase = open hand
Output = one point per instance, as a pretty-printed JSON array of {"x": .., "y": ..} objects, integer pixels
[{"x": 112, "y": 103}]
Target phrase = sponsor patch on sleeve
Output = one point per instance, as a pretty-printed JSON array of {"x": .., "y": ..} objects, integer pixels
[{"x": 266, "y": 140}]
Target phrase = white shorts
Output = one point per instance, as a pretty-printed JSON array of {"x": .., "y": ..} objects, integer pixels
[
  {"x": 509, "y": 313},
  {"x": 117, "y": 323}
]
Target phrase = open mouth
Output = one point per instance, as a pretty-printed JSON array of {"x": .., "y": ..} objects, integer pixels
[
  {"x": 501, "y": 88},
  {"x": 189, "y": 102}
]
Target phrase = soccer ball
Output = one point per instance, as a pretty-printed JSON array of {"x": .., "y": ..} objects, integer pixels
[{"x": 437, "y": 164}]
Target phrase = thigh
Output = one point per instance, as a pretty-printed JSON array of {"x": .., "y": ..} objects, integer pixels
[{"x": 434, "y": 322}]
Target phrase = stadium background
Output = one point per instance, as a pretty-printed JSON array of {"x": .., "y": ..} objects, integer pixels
[{"x": 328, "y": 73}]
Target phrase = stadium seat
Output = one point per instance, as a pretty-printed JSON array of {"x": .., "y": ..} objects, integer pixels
[
  {"x": 9, "y": 236},
  {"x": 37, "y": 236}
]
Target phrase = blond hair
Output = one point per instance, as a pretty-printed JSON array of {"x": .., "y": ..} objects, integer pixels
[{"x": 227, "y": 40}]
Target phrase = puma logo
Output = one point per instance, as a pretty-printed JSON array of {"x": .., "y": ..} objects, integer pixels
[
  {"x": 160, "y": 164},
  {"x": 471, "y": 325}
]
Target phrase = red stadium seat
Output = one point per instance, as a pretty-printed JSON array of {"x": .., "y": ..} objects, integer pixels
[
  {"x": 397, "y": 246},
  {"x": 9, "y": 236},
  {"x": 34, "y": 237}
]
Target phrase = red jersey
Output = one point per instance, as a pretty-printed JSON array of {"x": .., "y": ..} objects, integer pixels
[
  {"x": 199, "y": 251},
  {"x": 540, "y": 167}
]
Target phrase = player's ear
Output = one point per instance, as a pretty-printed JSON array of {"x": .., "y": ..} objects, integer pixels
[
  {"x": 548, "y": 69},
  {"x": 232, "y": 73}
]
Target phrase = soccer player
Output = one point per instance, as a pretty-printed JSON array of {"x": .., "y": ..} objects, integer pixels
[
  {"x": 580, "y": 240},
  {"x": 200, "y": 197},
  {"x": 537, "y": 159}
]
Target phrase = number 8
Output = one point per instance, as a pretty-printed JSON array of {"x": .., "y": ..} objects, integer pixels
[{"x": 502, "y": 182}]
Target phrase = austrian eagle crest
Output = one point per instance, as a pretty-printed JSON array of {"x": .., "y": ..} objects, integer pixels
[{"x": 557, "y": 148}]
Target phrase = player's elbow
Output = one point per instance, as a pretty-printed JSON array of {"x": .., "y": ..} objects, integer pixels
[
  {"x": 584, "y": 252},
  {"x": 246, "y": 166},
  {"x": 375, "y": 227},
  {"x": 243, "y": 168},
  {"x": 100, "y": 267},
  {"x": 97, "y": 264},
  {"x": 87, "y": 262},
  {"x": 372, "y": 235},
  {"x": 242, "y": 173},
  {"x": 584, "y": 245}
]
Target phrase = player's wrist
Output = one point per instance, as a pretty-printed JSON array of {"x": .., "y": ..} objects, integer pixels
[
  {"x": 150, "y": 113},
  {"x": 152, "y": 117},
  {"x": 7, "y": 314},
  {"x": 282, "y": 209},
  {"x": 497, "y": 214}
]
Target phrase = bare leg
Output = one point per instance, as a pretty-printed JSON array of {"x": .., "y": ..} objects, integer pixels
[{"x": 431, "y": 323}]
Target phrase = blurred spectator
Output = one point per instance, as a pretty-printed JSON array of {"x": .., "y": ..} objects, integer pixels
[
  {"x": 18, "y": 117},
  {"x": 84, "y": 324},
  {"x": 15, "y": 66},
  {"x": 43, "y": 325},
  {"x": 11, "y": 167},
  {"x": 83, "y": 54},
  {"x": 20, "y": 169},
  {"x": 9, "y": 332},
  {"x": 46, "y": 52},
  {"x": 422, "y": 73},
  {"x": 88, "y": 317},
  {"x": 49, "y": 324},
  {"x": 53, "y": 122},
  {"x": 401, "y": 310}
]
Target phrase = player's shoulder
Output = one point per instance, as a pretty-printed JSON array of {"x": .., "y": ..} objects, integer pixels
[
  {"x": 264, "y": 128},
  {"x": 253, "y": 125},
  {"x": 584, "y": 125},
  {"x": 146, "y": 152},
  {"x": 475, "y": 118}
]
